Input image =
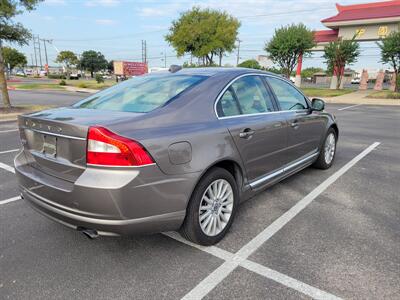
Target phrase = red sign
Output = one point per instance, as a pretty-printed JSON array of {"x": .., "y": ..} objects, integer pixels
[{"x": 134, "y": 68}]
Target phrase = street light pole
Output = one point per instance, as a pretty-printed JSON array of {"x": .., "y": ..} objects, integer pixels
[{"x": 238, "y": 52}]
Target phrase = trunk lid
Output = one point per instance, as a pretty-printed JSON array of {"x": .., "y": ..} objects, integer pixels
[{"x": 55, "y": 140}]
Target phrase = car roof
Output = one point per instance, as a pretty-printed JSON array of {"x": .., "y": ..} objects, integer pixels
[{"x": 213, "y": 71}]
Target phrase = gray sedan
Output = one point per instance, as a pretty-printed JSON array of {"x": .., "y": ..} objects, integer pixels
[{"x": 174, "y": 150}]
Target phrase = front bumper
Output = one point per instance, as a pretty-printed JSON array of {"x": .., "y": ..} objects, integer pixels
[{"x": 110, "y": 201}]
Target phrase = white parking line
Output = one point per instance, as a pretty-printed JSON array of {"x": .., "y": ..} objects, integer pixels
[
  {"x": 347, "y": 107},
  {"x": 9, "y": 151},
  {"x": 288, "y": 281},
  {"x": 232, "y": 261},
  {"x": 211, "y": 281},
  {"x": 10, "y": 200},
  {"x": 213, "y": 250},
  {"x": 9, "y": 130},
  {"x": 7, "y": 167}
]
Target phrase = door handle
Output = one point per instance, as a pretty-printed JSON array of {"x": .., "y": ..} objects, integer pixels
[{"x": 246, "y": 133}]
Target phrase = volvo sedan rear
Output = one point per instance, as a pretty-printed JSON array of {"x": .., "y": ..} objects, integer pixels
[{"x": 170, "y": 151}]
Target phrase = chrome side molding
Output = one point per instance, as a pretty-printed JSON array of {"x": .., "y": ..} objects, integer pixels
[{"x": 282, "y": 170}]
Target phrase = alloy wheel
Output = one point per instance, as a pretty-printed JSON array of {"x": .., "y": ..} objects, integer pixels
[
  {"x": 216, "y": 207},
  {"x": 330, "y": 146}
]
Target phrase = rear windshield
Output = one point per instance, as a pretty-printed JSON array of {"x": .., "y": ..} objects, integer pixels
[{"x": 140, "y": 94}]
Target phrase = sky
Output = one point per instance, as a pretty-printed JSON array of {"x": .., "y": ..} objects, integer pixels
[{"x": 117, "y": 27}]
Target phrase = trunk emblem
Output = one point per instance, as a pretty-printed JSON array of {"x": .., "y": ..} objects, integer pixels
[{"x": 38, "y": 125}]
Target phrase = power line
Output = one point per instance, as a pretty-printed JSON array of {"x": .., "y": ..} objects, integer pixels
[
  {"x": 285, "y": 13},
  {"x": 111, "y": 37},
  {"x": 164, "y": 30}
]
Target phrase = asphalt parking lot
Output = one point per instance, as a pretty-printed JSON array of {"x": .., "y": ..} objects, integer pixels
[{"x": 319, "y": 234}]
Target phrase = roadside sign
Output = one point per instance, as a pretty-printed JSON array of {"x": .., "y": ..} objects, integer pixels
[{"x": 129, "y": 68}]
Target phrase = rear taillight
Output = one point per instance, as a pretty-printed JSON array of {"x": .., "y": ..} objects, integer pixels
[{"x": 109, "y": 149}]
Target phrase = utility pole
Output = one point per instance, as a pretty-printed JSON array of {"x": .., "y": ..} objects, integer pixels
[
  {"x": 165, "y": 58},
  {"x": 37, "y": 49},
  {"x": 40, "y": 54},
  {"x": 144, "y": 51},
  {"x": 34, "y": 49},
  {"x": 45, "y": 51},
  {"x": 238, "y": 52},
  {"x": 45, "y": 54}
]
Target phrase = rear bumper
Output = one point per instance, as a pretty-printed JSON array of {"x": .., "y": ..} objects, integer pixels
[
  {"x": 111, "y": 201},
  {"x": 152, "y": 224}
]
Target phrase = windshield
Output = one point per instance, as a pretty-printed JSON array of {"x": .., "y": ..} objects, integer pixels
[{"x": 140, "y": 94}]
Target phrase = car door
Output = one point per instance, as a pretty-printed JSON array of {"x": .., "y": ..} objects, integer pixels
[
  {"x": 305, "y": 128},
  {"x": 247, "y": 109}
]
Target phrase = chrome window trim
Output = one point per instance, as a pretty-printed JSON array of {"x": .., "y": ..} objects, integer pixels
[
  {"x": 56, "y": 134},
  {"x": 282, "y": 170},
  {"x": 257, "y": 114}
]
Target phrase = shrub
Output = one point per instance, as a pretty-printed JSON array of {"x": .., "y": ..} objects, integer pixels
[
  {"x": 82, "y": 85},
  {"x": 250, "y": 63},
  {"x": 56, "y": 76},
  {"x": 99, "y": 78},
  {"x": 62, "y": 82}
]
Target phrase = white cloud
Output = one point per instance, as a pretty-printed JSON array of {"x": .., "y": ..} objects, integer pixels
[
  {"x": 163, "y": 10},
  {"x": 105, "y": 22},
  {"x": 55, "y": 2},
  {"x": 105, "y": 3},
  {"x": 48, "y": 18}
]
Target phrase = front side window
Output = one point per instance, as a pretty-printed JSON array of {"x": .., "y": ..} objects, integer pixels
[
  {"x": 140, "y": 94},
  {"x": 252, "y": 95},
  {"x": 288, "y": 97}
]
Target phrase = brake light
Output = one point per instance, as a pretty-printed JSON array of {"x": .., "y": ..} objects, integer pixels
[{"x": 109, "y": 149}]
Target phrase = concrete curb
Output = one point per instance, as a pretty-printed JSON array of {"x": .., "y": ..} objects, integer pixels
[
  {"x": 9, "y": 118},
  {"x": 80, "y": 90}
]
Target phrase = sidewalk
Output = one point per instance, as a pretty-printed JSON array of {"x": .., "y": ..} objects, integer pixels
[{"x": 359, "y": 97}]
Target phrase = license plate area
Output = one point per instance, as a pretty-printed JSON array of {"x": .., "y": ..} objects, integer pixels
[{"x": 49, "y": 146}]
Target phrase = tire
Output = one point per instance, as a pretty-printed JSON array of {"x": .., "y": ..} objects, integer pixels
[
  {"x": 325, "y": 161},
  {"x": 194, "y": 229}
]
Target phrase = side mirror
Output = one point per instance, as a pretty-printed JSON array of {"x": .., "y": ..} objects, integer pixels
[{"x": 317, "y": 104}]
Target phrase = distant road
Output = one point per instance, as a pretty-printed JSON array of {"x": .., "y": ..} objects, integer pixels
[{"x": 58, "y": 98}]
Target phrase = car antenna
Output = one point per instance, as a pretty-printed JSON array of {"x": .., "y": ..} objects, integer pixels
[{"x": 174, "y": 68}]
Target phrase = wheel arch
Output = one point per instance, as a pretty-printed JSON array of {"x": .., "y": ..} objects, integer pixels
[
  {"x": 232, "y": 166},
  {"x": 336, "y": 128}
]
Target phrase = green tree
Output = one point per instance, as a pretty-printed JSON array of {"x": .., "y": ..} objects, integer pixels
[
  {"x": 204, "y": 33},
  {"x": 12, "y": 32},
  {"x": 68, "y": 59},
  {"x": 287, "y": 44},
  {"x": 273, "y": 70},
  {"x": 390, "y": 54},
  {"x": 13, "y": 58},
  {"x": 250, "y": 63},
  {"x": 340, "y": 53},
  {"x": 93, "y": 61},
  {"x": 309, "y": 72},
  {"x": 110, "y": 66}
]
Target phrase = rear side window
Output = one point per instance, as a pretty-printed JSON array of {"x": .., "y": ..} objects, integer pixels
[
  {"x": 228, "y": 104},
  {"x": 288, "y": 97},
  {"x": 140, "y": 94},
  {"x": 246, "y": 96}
]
